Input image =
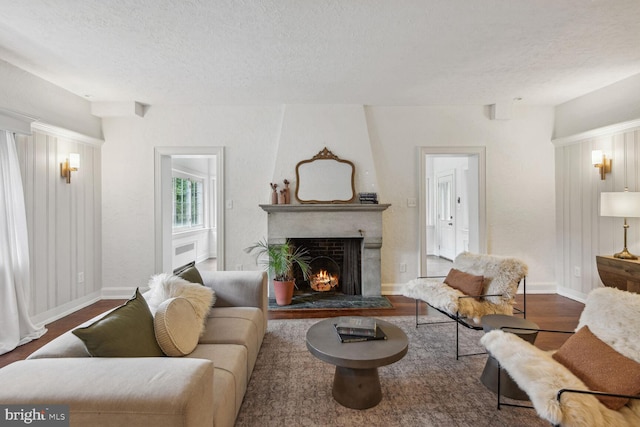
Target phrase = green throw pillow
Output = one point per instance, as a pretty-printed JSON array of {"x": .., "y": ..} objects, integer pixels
[
  {"x": 189, "y": 272},
  {"x": 125, "y": 332}
]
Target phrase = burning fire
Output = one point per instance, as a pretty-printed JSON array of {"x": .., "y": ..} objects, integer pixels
[{"x": 323, "y": 281}]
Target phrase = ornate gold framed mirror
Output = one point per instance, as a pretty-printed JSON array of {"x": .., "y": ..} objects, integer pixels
[{"x": 325, "y": 178}]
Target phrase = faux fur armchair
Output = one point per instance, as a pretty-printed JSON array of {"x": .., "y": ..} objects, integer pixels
[
  {"x": 611, "y": 359},
  {"x": 495, "y": 279}
]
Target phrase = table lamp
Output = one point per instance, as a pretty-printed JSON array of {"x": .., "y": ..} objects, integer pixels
[{"x": 624, "y": 204}]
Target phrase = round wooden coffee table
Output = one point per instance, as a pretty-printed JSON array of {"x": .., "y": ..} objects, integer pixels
[{"x": 356, "y": 383}]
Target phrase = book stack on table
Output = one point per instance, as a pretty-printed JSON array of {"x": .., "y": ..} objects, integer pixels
[{"x": 355, "y": 329}]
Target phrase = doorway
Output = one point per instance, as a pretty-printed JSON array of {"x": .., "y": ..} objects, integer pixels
[
  {"x": 445, "y": 230},
  {"x": 452, "y": 205},
  {"x": 166, "y": 159}
]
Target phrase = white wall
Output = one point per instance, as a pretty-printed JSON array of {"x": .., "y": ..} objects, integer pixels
[
  {"x": 608, "y": 120},
  {"x": 248, "y": 135},
  {"x": 520, "y": 173},
  {"x": 307, "y": 129},
  {"x": 582, "y": 233},
  {"x": 63, "y": 219},
  {"x": 521, "y": 199},
  {"x": 520, "y": 182}
]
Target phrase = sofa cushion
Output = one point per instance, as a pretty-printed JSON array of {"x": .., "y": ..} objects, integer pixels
[
  {"x": 234, "y": 330},
  {"x": 164, "y": 286},
  {"x": 466, "y": 283},
  {"x": 66, "y": 345},
  {"x": 127, "y": 331},
  {"x": 253, "y": 314},
  {"x": 230, "y": 378},
  {"x": 600, "y": 367},
  {"x": 159, "y": 392},
  {"x": 177, "y": 327},
  {"x": 189, "y": 272}
]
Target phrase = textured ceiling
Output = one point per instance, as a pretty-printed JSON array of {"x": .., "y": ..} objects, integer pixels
[{"x": 375, "y": 52}]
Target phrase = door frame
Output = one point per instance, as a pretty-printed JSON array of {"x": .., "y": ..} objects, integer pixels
[
  {"x": 163, "y": 204},
  {"x": 482, "y": 214}
]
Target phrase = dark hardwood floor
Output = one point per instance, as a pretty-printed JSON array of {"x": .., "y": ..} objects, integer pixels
[{"x": 549, "y": 311}]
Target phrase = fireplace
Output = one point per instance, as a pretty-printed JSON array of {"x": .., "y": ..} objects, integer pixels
[
  {"x": 336, "y": 265},
  {"x": 349, "y": 222}
]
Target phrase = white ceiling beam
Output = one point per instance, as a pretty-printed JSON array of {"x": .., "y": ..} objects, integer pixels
[
  {"x": 14, "y": 121},
  {"x": 118, "y": 109},
  {"x": 502, "y": 110}
]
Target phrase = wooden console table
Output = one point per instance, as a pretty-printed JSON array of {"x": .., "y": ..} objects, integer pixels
[{"x": 619, "y": 273}]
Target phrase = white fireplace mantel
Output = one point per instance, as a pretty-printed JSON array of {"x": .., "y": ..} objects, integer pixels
[{"x": 347, "y": 220}]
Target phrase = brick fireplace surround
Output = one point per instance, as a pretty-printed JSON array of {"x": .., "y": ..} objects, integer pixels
[
  {"x": 330, "y": 255},
  {"x": 307, "y": 221}
]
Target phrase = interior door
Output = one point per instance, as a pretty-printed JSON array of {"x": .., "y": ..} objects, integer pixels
[{"x": 445, "y": 215}]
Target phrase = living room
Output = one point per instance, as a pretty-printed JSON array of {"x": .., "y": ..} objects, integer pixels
[{"x": 268, "y": 104}]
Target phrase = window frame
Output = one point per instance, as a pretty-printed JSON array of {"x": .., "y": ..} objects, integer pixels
[{"x": 181, "y": 174}]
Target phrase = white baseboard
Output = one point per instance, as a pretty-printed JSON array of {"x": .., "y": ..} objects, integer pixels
[
  {"x": 392, "y": 288},
  {"x": 540, "y": 288},
  {"x": 572, "y": 294},
  {"x": 120, "y": 292},
  {"x": 66, "y": 309}
]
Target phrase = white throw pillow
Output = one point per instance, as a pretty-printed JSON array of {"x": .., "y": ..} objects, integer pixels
[
  {"x": 177, "y": 327},
  {"x": 164, "y": 286}
]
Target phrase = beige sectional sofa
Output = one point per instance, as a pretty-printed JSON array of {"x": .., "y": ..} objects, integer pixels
[{"x": 204, "y": 388}]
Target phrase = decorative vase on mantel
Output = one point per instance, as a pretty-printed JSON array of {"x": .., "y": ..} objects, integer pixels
[
  {"x": 287, "y": 192},
  {"x": 274, "y": 193}
]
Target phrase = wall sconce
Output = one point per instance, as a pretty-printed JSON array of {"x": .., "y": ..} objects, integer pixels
[
  {"x": 624, "y": 204},
  {"x": 70, "y": 165},
  {"x": 601, "y": 162}
]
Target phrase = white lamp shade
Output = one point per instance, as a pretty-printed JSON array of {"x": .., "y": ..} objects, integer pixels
[
  {"x": 74, "y": 160},
  {"x": 624, "y": 204},
  {"x": 596, "y": 157}
]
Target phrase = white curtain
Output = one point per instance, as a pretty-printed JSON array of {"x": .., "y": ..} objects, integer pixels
[{"x": 16, "y": 327}]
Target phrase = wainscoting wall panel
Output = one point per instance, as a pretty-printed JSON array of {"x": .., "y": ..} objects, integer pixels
[
  {"x": 64, "y": 222},
  {"x": 581, "y": 232}
]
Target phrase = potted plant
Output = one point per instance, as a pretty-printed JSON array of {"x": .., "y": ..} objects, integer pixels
[{"x": 279, "y": 259}]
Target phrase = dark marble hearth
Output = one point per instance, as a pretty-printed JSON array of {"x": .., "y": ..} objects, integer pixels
[{"x": 330, "y": 300}]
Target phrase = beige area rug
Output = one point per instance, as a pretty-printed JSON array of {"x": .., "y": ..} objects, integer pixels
[{"x": 428, "y": 387}]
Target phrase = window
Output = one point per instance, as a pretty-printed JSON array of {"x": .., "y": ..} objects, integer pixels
[{"x": 188, "y": 203}]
